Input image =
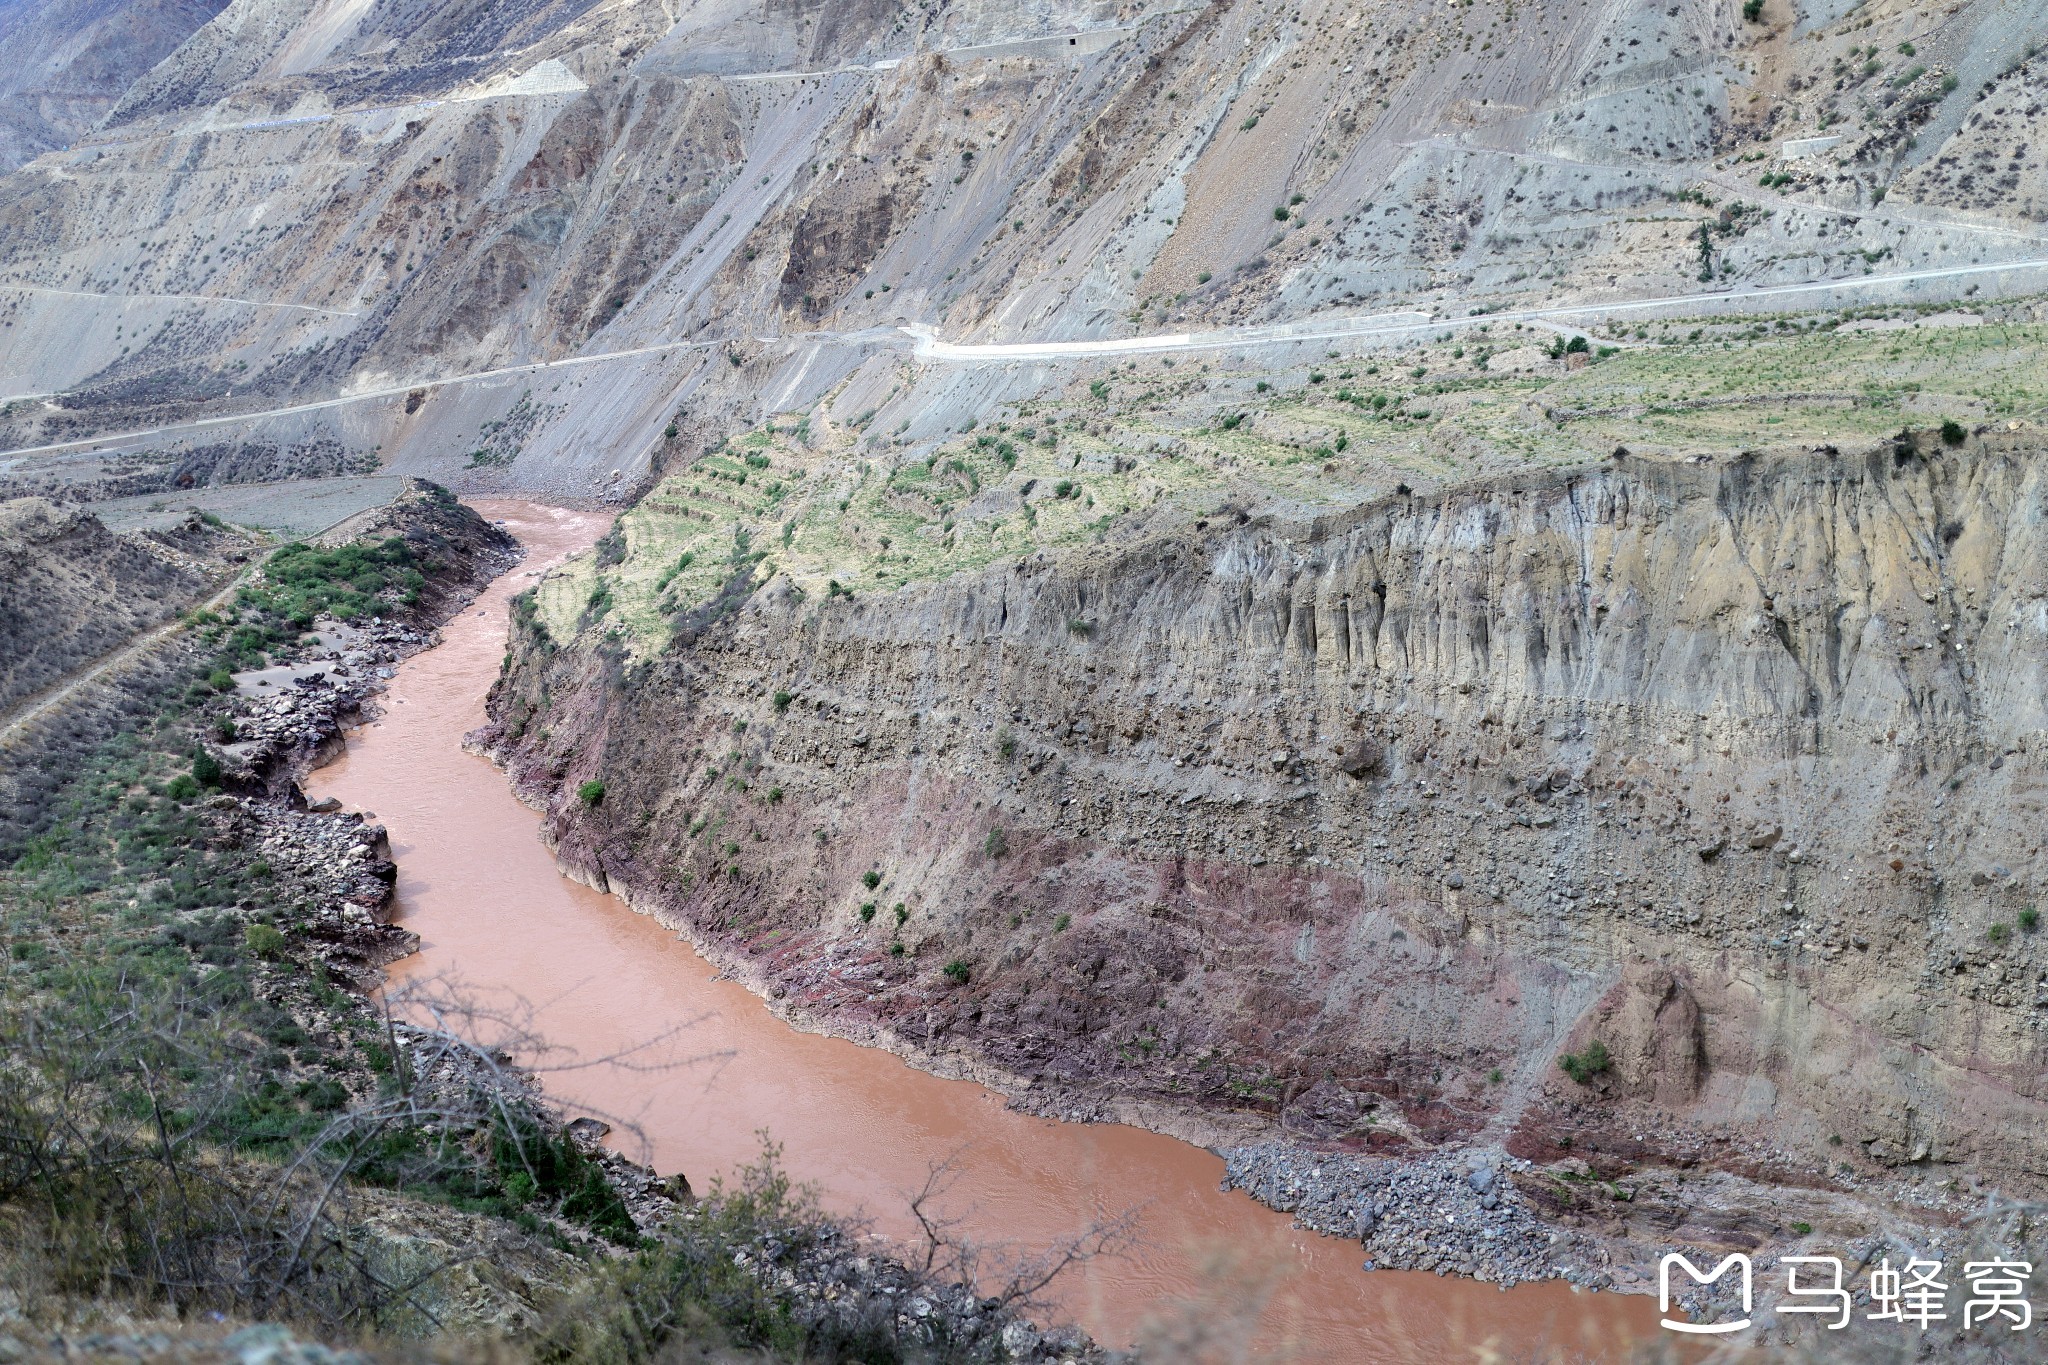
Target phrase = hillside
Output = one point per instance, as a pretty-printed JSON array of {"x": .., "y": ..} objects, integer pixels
[{"x": 381, "y": 223}]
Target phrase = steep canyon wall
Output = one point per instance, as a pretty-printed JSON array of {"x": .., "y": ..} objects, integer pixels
[{"x": 1734, "y": 767}]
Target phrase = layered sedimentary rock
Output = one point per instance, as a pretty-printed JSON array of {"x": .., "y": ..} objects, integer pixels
[{"x": 1733, "y": 767}]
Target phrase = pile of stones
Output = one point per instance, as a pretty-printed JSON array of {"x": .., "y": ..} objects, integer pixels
[{"x": 1456, "y": 1213}]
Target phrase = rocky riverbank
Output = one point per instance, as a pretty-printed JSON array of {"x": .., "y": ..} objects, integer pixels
[{"x": 1450, "y": 1212}]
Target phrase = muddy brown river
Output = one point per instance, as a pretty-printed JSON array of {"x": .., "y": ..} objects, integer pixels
[{"x": 1215, "y": 1273}]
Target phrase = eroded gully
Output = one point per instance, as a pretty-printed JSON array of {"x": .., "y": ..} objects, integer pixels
[{"x": 1216, "y": 1273}]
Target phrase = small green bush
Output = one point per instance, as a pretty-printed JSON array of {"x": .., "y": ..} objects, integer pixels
[
  {"x": 896, "y": 948},
  {"x": 871, "y": 879},
  {"x": 206, "y": 769},
  {"x": 591, "y": 793},
  {"x": 1583, "y": 1066},
  {"x": 2030, "y": 919},
  {"x": 958, "y": 971},
  {"x": 782, "y": 701},
  {"x": 264, "y": 940},
  {"x": 1954, "y": 433},
  {"x": 1060, "y": 924},
  {"x": 1753, "y": 11},
  {"x": 220, "y": 680},
  {"x": 997, "y": 843},
  {"x": 902, "y": 913},
  {"x": 2000, "y": 932},
  {"x": 867, "y": 912},
  {"x": 1280, "y": 215}
]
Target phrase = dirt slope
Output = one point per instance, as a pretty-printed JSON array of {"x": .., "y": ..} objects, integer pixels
[{"x": 71, "y": 591}]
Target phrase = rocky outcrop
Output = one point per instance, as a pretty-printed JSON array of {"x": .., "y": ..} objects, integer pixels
[{"x": 1359, "y": 825}]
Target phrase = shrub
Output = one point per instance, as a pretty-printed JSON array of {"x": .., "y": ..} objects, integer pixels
[
  {"x": 867, "y": 912},
  {"x": 591, "y": 793},
  {"x": 264, "y": 940},
  {"x": 901, "y": 912},
  {"x": 871, "y": 879},
  {"x": 1954, "y": 433},
  {"x": 2000, "y": 932},
  {"x": 1583, "y": 1066},
  {"x": 1753, "y": 10},
  {"x": 1062, "y": 922},
  {"x": 782, "y": 701},
  {"x": 1099, "y": 388},
  {"x": 774, "y": 796},
  {"x": 1006, "y": 743},
  {"x": 958, "y": 971},
  {"x": 2030, "y": 919},
  {"x": 896, "y": 948},
  {"x": 206, "y": 769},
  {"x": 181, "y": 788},
  {"x": 996, "y": 844},
  {"x": 1280, "y": 215},
  {"x": 220, "y": 680}
]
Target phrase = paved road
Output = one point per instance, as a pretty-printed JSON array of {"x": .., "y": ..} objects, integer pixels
[
  {"x": 930, "y": 348},
  {"x": 927, "y": 347},
  {"x": 360, "y": 396}
]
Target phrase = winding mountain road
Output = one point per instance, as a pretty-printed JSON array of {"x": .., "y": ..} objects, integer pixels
[{"x": 928, "y": 348}]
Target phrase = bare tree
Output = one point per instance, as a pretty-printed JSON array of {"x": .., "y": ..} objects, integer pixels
[{"x": 1015, "y": 1277}]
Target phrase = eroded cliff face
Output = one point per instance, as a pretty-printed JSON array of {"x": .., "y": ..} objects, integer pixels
[{"x": 1733, "y": 767}]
